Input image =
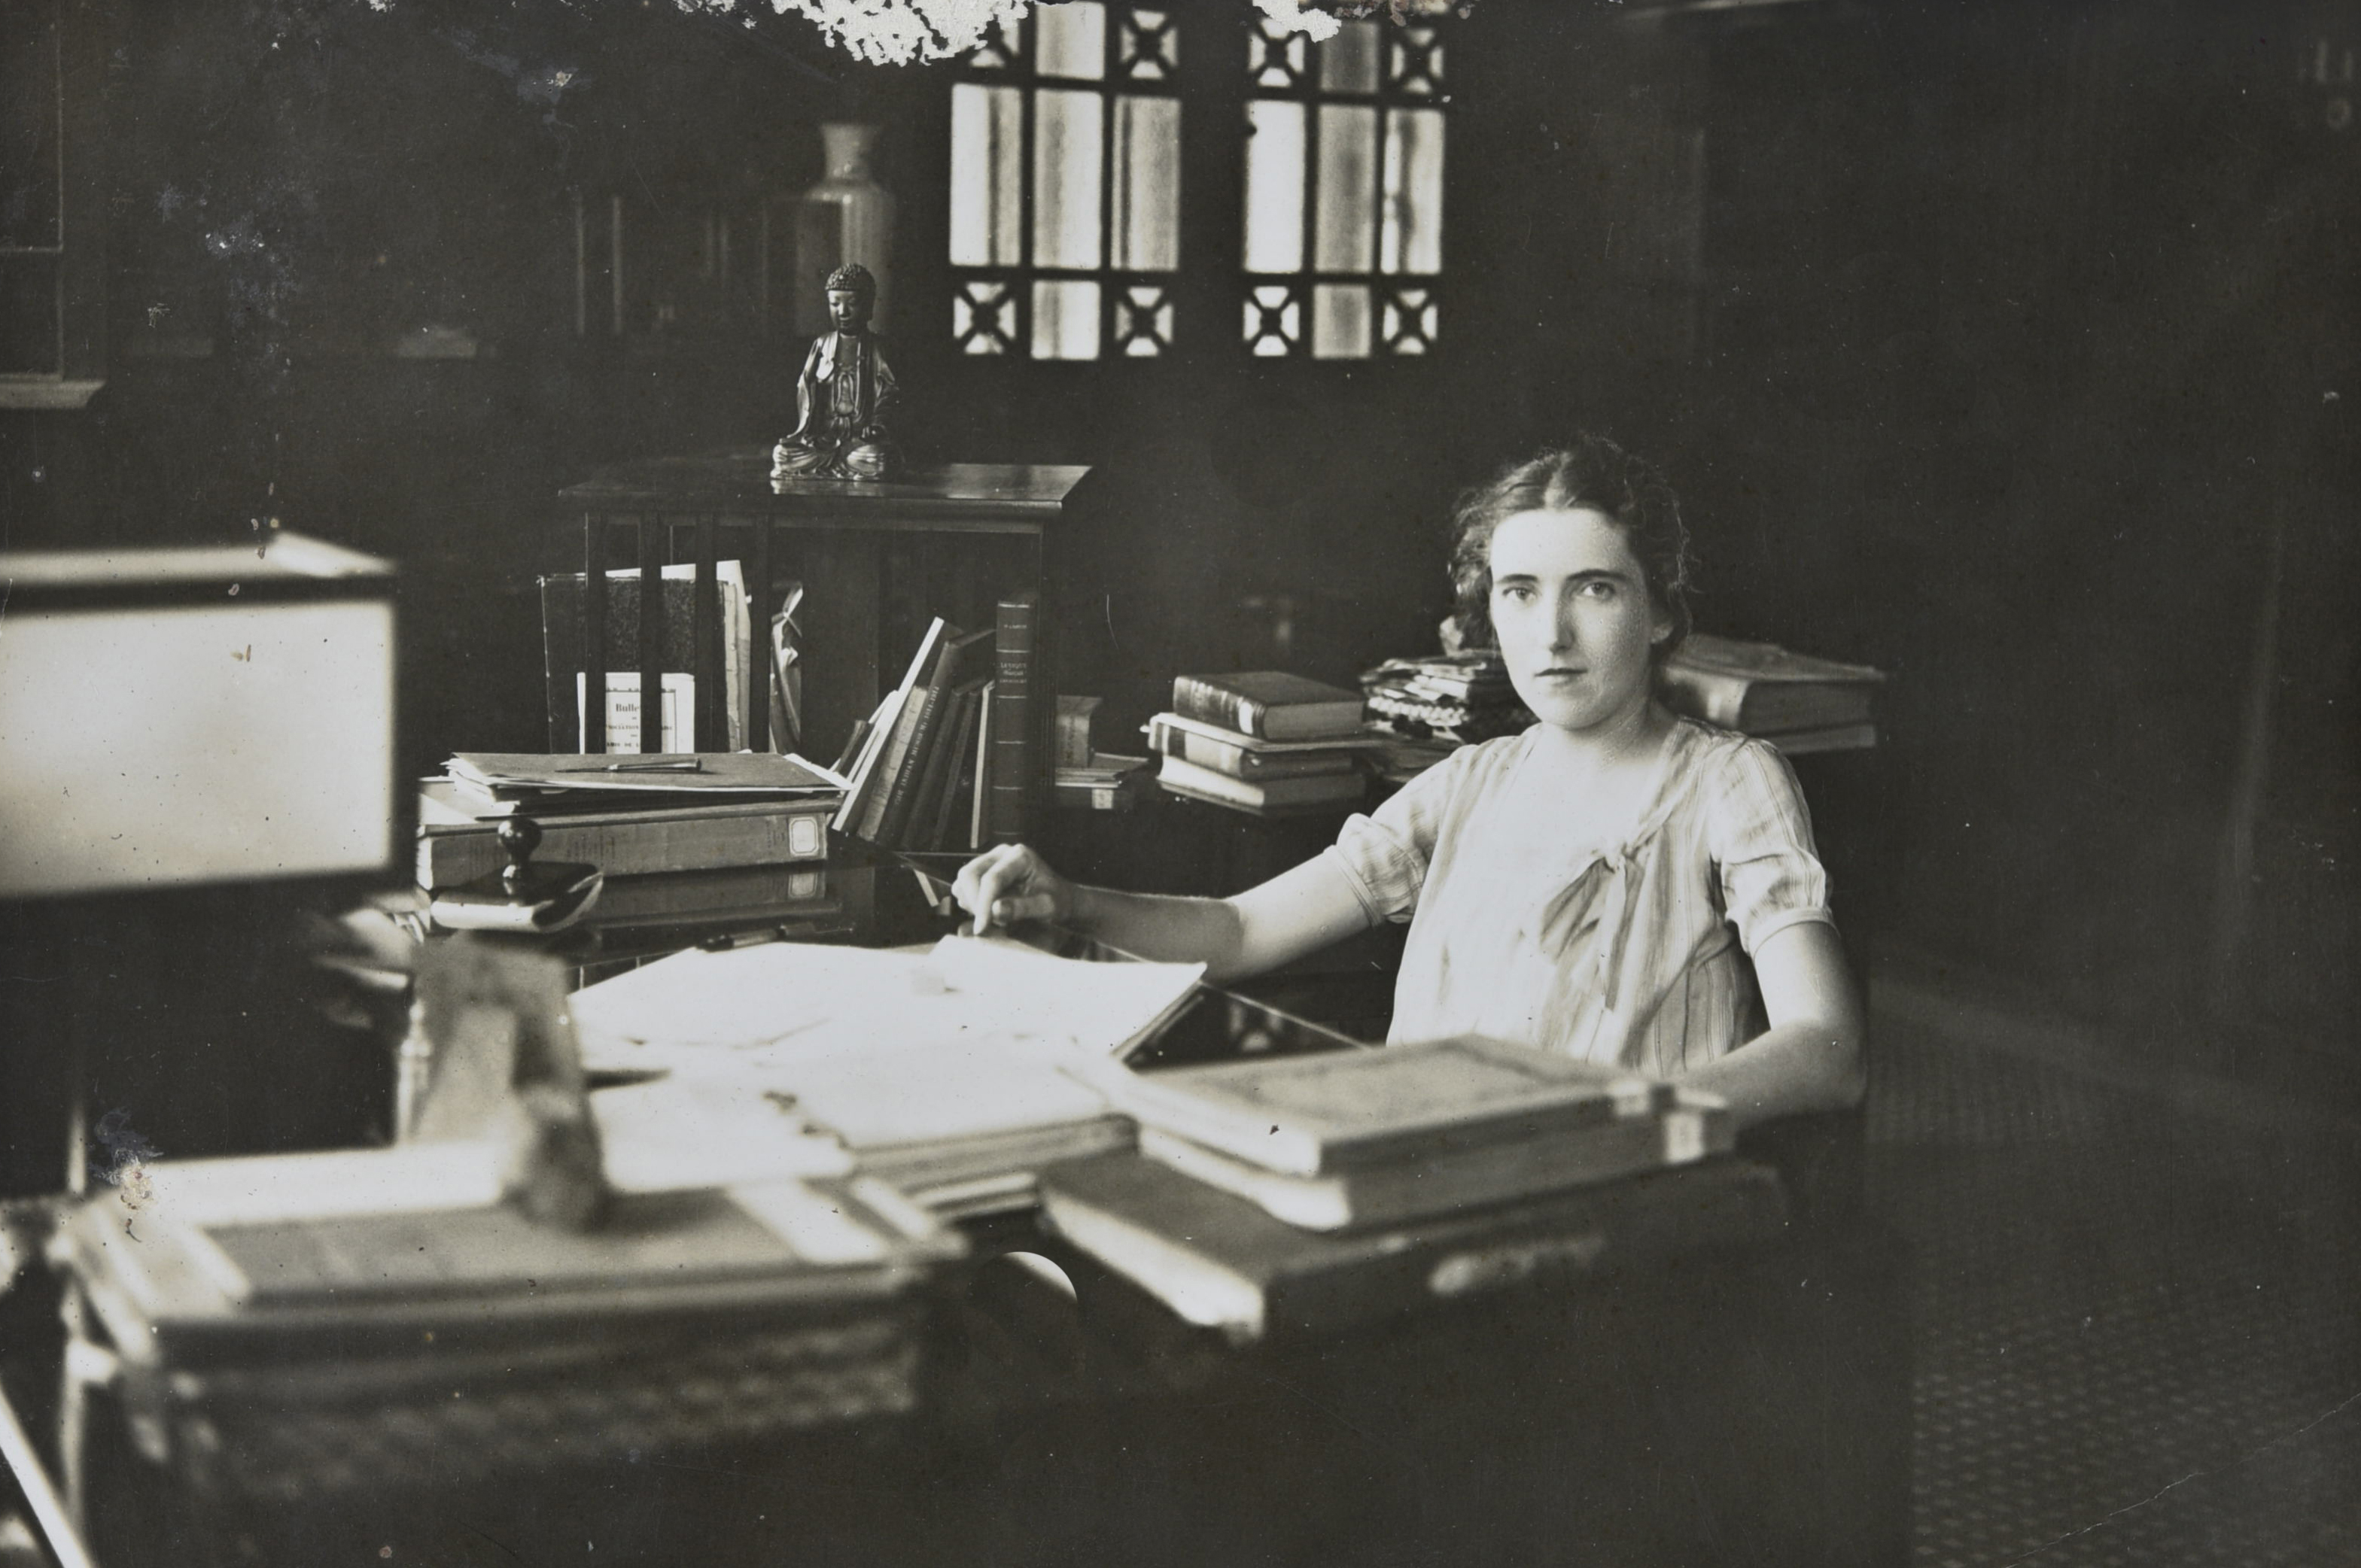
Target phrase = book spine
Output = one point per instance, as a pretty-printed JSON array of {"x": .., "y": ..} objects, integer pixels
[
  {"x": 950, "y": 797},
  {"x": 862, "y": 775},
  {"x": 902, "y": 791},
  {"x": 1241, "y": 761},
  {"x": 979, "y": 783},
  {"x": 1013, "y": 761},
  {"x": 937, "y": 753},
  {"x": 631, "y": 849},
  {"x": 872, "y": 821},
  {"x": 1261, "y": 793},
  {"x": 1193, "y": 697}
]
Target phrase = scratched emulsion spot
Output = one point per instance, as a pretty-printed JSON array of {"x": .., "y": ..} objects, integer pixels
[{"x": 122, "y": 1158}]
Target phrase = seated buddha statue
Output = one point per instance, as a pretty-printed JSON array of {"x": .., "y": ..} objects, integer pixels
[{"x": 844, "y": 395}]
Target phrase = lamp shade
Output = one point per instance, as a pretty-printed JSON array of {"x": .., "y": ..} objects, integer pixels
[{"x": 192, "y": 716}]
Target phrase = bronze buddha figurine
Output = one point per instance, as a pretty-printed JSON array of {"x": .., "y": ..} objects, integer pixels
[{"x": 844, "y": 395}]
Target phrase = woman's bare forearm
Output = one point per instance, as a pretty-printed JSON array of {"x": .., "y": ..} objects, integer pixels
[
  {"x": 1157, "y": 925},
  {"x": 1295, "y": 913}
]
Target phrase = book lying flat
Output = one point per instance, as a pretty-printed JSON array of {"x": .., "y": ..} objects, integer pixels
[
  {"x": 1220, "y": 1261},
  {"x": 1760, "y": 688},
  {"x": 356, "y": 1270},
  {"x": 1309, "y": 1116},
  {"x": 680, "y": 898},
  {"x": 1243, "y": 757},
  {"x": 1275, "y": 705},
  {"x": 534, "y": 776},
  {"x": 728, "y": 831},
  {"x": 1457, "y": 1180},
  {"x": 1184, "y": 777}
]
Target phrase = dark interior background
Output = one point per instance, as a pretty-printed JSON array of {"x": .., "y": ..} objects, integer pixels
[{"x": 2007, "y": 345}]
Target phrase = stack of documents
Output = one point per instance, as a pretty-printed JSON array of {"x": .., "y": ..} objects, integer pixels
[{"x": 955, "y": 1073}]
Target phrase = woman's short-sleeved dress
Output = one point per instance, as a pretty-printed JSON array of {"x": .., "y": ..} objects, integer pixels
[{"x": 1635, "y": 955}]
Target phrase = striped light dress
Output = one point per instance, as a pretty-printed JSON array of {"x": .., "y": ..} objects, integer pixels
[{"x": 1633, "y": 953}]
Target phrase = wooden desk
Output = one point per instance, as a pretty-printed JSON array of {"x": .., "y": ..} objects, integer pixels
[{"x": 876, "y": 560}]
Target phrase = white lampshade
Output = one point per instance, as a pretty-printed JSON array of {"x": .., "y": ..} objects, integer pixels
[{"x": 207, "y": 715}]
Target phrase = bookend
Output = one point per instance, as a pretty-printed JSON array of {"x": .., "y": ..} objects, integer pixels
[{"x": 501, "y": 1063}]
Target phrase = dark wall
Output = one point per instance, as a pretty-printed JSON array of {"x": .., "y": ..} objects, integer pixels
[
  {"x": 2005, "y": 346},
  {"x": 2009, "y": 347}
]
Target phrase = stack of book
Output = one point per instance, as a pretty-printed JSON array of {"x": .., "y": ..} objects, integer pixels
[
  {"x": 307, "y": 1323},
  {"x": 682, "y": 839},
  {"x": 1796, "y": 702},
  {"x": 956, "y": 754},
  {"x": 1315, "y": 1191},
  {"x": 1454, "y": 697},
  {"x": 1263, "y": 740}
]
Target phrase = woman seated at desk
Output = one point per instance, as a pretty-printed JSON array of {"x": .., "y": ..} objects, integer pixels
[{"x": 1597, "y": 884}]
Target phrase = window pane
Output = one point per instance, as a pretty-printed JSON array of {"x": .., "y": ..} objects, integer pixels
[
  {"x": 1412, "y": 237},
  {"x": 1340, "y": 321},
  {"x": 1348, "y": 63},
  {"x": 1150, "y": 51},
  {"x": 1347, "y": 190},
  {"x": 1278, "y": 54},
  {"x": 1416, "y": 62},
  {"x": 1273, "y": 323},
  {"x": 1146, "y": 219},
  {"x": 984, "y": 317},
  {"x": 987, "y": 154},
  {"x": 1065, "y": 319},
  {"x": 1070, "y": 40},
  {"x": 1066, "y": 153},
  {"x": 1274, "y": 186}
]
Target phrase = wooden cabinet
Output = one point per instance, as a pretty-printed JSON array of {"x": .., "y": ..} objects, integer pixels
[{"x": 876, "y": 560}]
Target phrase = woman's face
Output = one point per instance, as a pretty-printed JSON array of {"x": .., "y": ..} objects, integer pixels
[{"x": 1575, "y": 619}]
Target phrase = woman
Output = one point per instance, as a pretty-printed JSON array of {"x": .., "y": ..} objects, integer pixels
[{"x": 1615, "y": 882}]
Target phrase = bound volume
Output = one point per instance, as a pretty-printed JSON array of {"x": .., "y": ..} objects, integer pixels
[
  {"x": 1221, "y": 1262},
  {"x": 1763, "y": 689},
  {"x": 1273, "y": 705},
  {"x": 1312, "y": 1115},
  {"x": 1460, "y": 1179}
]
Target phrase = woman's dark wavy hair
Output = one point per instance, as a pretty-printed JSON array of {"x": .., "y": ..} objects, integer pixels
[{"x": 1593, "y": 474}]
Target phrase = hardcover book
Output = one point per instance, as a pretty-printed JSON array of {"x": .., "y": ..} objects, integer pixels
[
  {"x": 1761, "y": 688},
  {"x": 1221, "y": 1262},
  {"x": 1273, "y": 704},
  {"x": 1185, "y": 777},
  {"x": 881, "y": 752},
  {"x": 456, "y": 847},
  {"x": 1309, "y": 1116},
  {"x": 1243, "y": 757},
  {"x": 1460, "y": 1179},
  {"x": 1014, "y": 756}
]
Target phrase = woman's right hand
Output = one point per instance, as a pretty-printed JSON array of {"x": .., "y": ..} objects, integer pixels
[{"x": 1010, "y": 883}]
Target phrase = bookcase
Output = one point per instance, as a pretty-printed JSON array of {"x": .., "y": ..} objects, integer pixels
[{"x": 876, "y": 561}]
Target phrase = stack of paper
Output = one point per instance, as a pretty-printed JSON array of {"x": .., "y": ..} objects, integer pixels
[{"x": 955, "y": 1073}]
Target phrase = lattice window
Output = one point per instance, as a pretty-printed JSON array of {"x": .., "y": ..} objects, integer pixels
[
  {"x": 1065, "y": 222},
  {"x": 1344, "y": 190}
]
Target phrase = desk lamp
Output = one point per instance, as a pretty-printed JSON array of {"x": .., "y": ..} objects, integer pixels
[
  {"x": 173, "y": 722},
  {"x": 176, "y": 723}
]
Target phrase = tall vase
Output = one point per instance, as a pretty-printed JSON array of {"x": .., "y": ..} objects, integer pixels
[{"x": 847, "y": 216}]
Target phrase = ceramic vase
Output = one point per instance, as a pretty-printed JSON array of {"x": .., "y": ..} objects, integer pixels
[{"x": 847, "y": 216}]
